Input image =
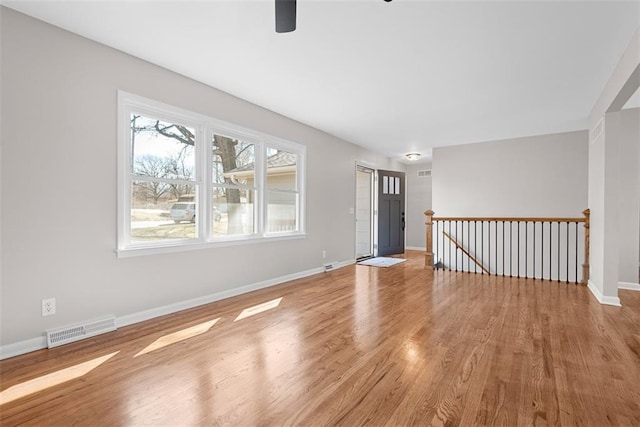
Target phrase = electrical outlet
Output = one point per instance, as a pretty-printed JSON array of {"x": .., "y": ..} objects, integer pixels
[
  {"x": 48, "y": 306},
  {"x": 324, "y": 254}
]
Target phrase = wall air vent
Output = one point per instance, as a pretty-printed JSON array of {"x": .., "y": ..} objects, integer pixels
[
  {"x": 60, "y": 336},
  {"x": 328, "y": 266},
  {"x": 424, "y": 173}
]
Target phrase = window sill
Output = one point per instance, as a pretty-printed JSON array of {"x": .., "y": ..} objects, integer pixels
[{"x": 198, "y": 245}]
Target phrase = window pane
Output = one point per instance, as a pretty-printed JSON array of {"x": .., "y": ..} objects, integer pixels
[
  {"x": 281, "y": 169},
  {"x": 385, "y": 185},
  {"x": 162, "y": 150},
  {"x": 233, "y": 161},
  {"x": 282, "y": 211},
  {"x": 156, "y": 213},
  {"x": 232, "y": 211}
]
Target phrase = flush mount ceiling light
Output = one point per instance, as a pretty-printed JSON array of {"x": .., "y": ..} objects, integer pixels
[{"x": 413, "y": 156}]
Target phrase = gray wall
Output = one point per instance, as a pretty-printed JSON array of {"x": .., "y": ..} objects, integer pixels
[
  {"x": 629, "y": 213},
  {"x": 533, "y": 176},
  {"x": 59, "y": 187},
  {"x": 418, "y": 201}
]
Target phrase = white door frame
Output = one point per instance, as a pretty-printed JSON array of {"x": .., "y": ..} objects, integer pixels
[{"x": 372, "y": 196}]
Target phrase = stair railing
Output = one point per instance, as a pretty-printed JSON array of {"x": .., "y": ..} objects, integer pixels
[{"x": 537, "y": 248}]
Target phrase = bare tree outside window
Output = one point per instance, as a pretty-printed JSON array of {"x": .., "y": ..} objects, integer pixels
[
  {"x": 152, "y": 166},
  {"x": 233, "y": 202},
  {"x": 165, "y": 195},
  {"x": 163, "y": 162},
  {"x": 234, "y": 183}
]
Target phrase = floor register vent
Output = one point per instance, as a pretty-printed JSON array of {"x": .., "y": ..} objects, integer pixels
[{"x": 60, "y": 336}]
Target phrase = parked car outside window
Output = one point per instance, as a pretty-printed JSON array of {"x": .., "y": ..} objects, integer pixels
[
  {"x": 183, "y": 212},
  {"x": 187, "y": 212}
]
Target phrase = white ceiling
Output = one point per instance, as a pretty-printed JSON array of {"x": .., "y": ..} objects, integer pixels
[{"x": 395, "y": 77}]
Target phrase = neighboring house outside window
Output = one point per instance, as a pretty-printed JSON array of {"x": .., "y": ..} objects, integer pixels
[
  {"x": 282, "y": 195},
  {"x": 187, "y": 181}
]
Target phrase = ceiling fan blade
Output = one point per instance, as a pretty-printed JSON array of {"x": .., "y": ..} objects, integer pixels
[{"x": 285, "y": 16}]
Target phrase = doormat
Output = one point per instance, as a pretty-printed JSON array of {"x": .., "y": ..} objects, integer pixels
[{"x": 382, "y": 262}]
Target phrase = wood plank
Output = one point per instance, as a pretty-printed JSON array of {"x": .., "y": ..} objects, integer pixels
[{"x": 355, "y": 346}]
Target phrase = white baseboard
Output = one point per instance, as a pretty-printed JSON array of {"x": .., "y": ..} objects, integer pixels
[
  {"x": 22, "y": 347},
  {"x": 629, "y": 286},
  {"x": 184, "y": 305},
  {"x": 415, "y": 248},
  {"x": 38, "y": 343},
  {"x": 601, "y": 298}
]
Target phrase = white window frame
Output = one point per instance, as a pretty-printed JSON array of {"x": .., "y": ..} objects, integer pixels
[
  {"x": 284, "y": 145},
  {"x": 205, "y": 128},
  {"x": 225, "y": 130}
]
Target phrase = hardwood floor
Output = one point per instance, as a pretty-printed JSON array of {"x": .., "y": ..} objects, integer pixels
[{"x": 359, "y": 345}]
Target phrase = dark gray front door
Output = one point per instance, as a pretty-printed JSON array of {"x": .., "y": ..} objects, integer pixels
[{"x": 391, "y": 218}]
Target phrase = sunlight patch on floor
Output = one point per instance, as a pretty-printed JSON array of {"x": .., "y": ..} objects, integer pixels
[
  {"x": 256, "y": 309},
  {"x": 46, "y": 381},
  {"x": 178, "y": 336},
  {"x": 412, "y": 352}
]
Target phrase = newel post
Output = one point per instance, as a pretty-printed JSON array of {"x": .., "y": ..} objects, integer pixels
[
  {"x": 428, "y": 257},
  {"x": 585, "y": 266}
]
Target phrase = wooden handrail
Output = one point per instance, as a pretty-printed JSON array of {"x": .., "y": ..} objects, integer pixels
[
  {"x": 464, "y": 251},
  {"x": 507, "y": 219}
]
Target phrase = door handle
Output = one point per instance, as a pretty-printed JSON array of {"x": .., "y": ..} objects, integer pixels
[{"x": 403, "y": 221}]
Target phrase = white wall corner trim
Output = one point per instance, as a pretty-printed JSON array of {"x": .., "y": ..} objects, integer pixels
[
  {"x": 38, "y": 343},
  {"x": 597, "y": 131},
  {"x": 629, "y": 286},
  {"x": 601, "y": 298}
]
